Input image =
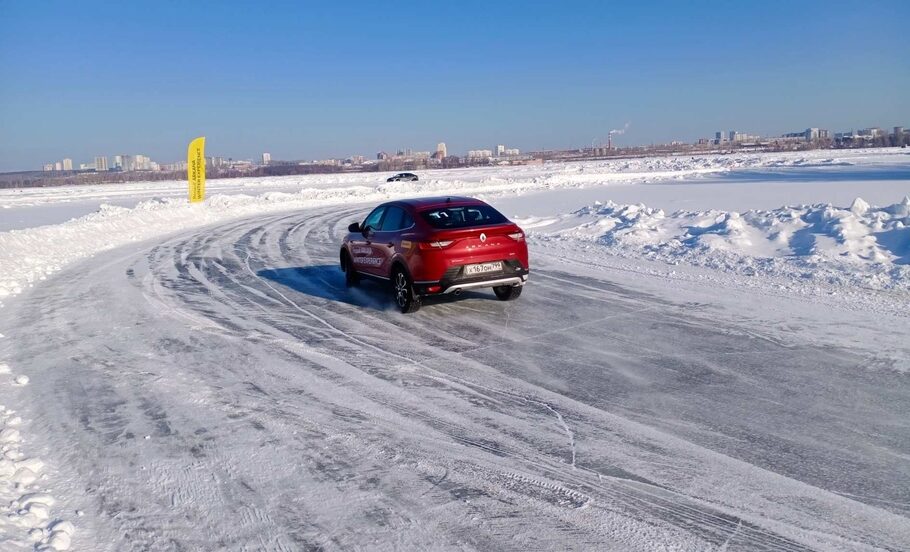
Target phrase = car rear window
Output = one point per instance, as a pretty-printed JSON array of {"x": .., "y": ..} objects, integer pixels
[{"x": 462, "y": 216}]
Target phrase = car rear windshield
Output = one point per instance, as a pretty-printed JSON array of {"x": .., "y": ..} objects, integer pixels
[{"x": 462, "y": 216}]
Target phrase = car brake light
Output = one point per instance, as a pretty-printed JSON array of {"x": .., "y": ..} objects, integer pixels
[
  {"x": 439, "y": 244},
  {"x": 517, "y": 236}
]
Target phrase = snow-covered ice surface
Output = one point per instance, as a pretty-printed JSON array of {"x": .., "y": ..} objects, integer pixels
[{"x": 199, "y": 377}]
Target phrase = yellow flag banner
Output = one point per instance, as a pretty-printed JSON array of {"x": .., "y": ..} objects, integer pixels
[{"x": 195, "y": 169}]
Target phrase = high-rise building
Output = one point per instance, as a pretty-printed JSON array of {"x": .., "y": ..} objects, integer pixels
[
  {"x": 141, "y": 163},
  {"x": 500, "y": 149},
  {"x": 127, "y": 163},
  {"x": 898, "y": 131},
  {"x": 719, "y": 137},
  {"x": 872, "y": 132},
  {"x": 67, "y": 164},
  {"x": 48, "y": 166},
  {"x": 58, "y": 166},
  {"x": 101, "y": 164},
  {"x": 118, "y": 162},
  {"x": 441, "y": 150},
  {"x": 266, "y": 158}
]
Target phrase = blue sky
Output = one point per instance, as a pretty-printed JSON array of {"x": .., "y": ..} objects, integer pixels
[{"x": 307, "y": 80}]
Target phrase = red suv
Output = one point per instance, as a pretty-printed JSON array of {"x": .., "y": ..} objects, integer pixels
[{"x": 435, "y": 246}]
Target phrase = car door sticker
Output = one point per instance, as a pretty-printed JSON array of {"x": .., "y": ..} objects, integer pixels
[{"x": 363, "y": 255}]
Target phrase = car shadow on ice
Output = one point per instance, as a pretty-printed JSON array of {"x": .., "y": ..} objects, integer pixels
[{"x": 327, "y": 282}]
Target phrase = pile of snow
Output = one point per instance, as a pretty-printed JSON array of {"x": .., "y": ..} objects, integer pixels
[
  {"x": 815, "y": 235},
  {"x": 860, "y": 245},
  {"x": 31, "y": 255}
]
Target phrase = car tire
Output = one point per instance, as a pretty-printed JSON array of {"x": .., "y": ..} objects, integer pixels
[
  {"x": 351, "y": 278},
  {"x": 403, "y": 292},
  {"x": 507, "y": 293}
]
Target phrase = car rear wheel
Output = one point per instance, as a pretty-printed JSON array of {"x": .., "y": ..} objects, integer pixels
[
  {"x": 403, "y": 290},
  {"x": 351, "y": 278},
  {"x": 507, "y": 293}
]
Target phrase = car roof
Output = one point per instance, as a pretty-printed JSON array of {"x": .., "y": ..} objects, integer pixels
[{"x": 439, "y": 201}]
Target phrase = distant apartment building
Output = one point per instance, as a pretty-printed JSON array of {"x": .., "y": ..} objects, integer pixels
[
  {"x": 143, "y": 163},
  {"x": 266, "y": 158},
  {"x": 101, "y": 164},
  {"x": 58, "y": 166},
  {"x": 500, "y": 150},
  {"x": 382, "y": 156},
  {"x": 480, "y": 154},
  {"x": 511, "y": 152},
  {"x": 118, "y": 162},
  {"x": 441, "y": 151},
  {"x": 898, "y": 131},
  {"x": 48, "y": 166},
  {"x": 719, "y": 137},
  {"x": 67, "y": 164}
]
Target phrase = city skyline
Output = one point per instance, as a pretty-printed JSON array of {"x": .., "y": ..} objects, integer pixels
[
  {"x": 721, "y": 137},
  {"x": 324, "y": 82}
]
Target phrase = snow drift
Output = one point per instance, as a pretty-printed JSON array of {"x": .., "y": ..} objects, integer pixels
[{"x": 860, "y": 245}]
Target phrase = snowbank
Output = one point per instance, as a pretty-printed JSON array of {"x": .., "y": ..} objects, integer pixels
[
  {"x": 30, "y": 255},
  {"x": 860, "y": 245},
  {"x": 872, "y": 239},
  {"x": 550, "y": 174}
]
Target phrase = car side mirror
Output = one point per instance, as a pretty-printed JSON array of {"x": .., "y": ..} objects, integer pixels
[
  {"x": 354, "y": 227},
  {"x": 367, "y": 231}
]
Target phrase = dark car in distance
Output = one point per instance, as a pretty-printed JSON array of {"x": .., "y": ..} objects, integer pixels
[
  {"x": 402, "y": 177},
  {"x": 436, "y": 246}
]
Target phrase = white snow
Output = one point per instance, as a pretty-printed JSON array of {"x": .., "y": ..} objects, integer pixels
[
  {"x": 25, "y": 510},
  {"x": 845, "y": 247},
  {"x": 30, "y": 255},
  {"x": 677, "y": 221}
]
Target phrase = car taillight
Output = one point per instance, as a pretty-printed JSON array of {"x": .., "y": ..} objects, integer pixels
[
  {"x": 439, "y": 244},
  {"x": 517, "y": 236}
]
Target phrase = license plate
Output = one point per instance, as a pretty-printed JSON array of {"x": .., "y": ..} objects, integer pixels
[{"x": 482, "y": 268}]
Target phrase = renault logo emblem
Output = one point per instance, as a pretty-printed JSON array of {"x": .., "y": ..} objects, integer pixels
[{"x": 483, "y": 237}]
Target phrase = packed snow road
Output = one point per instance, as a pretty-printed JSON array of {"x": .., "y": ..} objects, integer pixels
[{"x": 223, "y": 390}]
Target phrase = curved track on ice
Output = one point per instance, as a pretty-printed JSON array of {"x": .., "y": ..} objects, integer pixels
[{"x": 284, "y": 412}]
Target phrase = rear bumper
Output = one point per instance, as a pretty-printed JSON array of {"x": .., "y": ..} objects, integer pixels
[
  {"x": 454, "y": 281},
  {"x": 514, "y": 281}
]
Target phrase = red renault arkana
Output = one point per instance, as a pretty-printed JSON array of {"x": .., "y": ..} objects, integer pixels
[{"x": 434, "y": 246}]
